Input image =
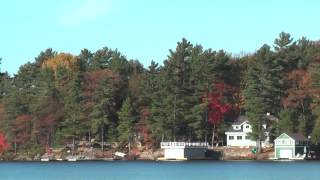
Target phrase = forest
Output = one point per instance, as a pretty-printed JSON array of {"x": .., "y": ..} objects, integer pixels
[{"x": 194, "y": 95}]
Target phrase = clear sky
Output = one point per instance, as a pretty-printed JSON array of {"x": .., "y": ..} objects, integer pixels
[{"x": 146, "y": 29}]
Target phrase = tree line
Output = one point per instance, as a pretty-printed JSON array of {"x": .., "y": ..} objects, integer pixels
[{"x": 194, "y": 95}]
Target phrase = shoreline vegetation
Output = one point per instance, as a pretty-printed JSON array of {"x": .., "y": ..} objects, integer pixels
[{"x": 95, "y": 104}]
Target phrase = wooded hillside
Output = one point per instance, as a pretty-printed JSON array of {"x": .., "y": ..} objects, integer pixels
[{"x": 61, "y": 97}]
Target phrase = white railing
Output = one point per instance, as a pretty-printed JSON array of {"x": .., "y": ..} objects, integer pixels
[{"x": 184, "y": 144}]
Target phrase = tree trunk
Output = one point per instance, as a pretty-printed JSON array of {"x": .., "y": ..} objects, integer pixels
[
  {"x": 90, "y": 138},
  {"x": 129, "y": 144},
  {"x": 15, "y": 145},
  {"x": 174, "y": 118},
  {"x": 212, "y": 141},
  {"x": 73, "y": 145},
  {"x": 258, "y": 146},
  {"x": 102, "y": 140},
  {"x": 217, "y": 142},
  {"x": 303, "y": 116}
]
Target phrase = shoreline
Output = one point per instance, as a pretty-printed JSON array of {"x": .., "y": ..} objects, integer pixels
[
  {"x": 216, "y": 154},
  {"x": 140, "y": 160}
]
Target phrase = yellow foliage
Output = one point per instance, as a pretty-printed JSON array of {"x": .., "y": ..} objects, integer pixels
[
  {"x": 65, "y": 60},
  {"x": 239, "y": 99}
]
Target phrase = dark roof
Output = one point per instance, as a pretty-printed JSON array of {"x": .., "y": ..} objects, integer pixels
[
  {"x": 234, "y": 130},
  {"x": 240, "y": 120},
  {"x": 297, "y": 136}
]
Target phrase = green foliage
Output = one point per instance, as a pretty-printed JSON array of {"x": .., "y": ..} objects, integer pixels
[
  {"x": 126, "y": 121},
  {"x": 315, "y": 136},
  {"x": 283, "y": 41},
  {"x": 73, "y": 124},
  {"x": 95, "y": 94},
  {"x": 262, "y": 90},
  {"x": 101, "y": 116},
  {"x": 287, "y": 121}
]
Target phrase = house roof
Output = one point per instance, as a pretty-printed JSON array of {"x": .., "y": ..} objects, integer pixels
[
  {"x": 234, "y": 130},
  {"x": 240, "y": 120},
  {"x": 297, "y": 136}
]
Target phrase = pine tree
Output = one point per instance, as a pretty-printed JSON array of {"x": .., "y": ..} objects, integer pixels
[
  {"x": 102, "y": 115},
  {"x": 287, "y": 121},
  {"x": 261, "y": 92},
  {"x": 126, "y": 122},
  {"x": 314, "y": 73},
  {"x": 200, "y": 67},
  {"x": 149, "y": 84},
  {"x": 283, "y": 41},
  {"x": 175, "y": 78},
  {"x": 100, "y": 59},
  {"x": 73, "y": 125}
]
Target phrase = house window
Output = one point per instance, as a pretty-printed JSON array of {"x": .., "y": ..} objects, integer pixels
[
  {"x": 283, "y": 142},
  {"x": 239, "y": 137},
  {"x": 231, "y": 137},
  {"x": 247, "y": 138},
  {"x": 247, "y": 126}
]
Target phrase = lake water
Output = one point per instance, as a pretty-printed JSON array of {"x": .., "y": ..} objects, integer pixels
[{"x": 142, "y": 170}]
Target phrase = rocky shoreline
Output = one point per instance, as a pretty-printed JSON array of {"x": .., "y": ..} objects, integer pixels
[{"x": 95, "y": 154}]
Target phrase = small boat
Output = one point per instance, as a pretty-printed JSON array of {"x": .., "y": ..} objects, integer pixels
[
  {"x": 45, "y": 159},
  {"x": 120, "y": 154},
  {"x": 72, "y": 158}
]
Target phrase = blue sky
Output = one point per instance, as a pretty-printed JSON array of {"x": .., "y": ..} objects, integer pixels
[{"x": 145, "y": 29}]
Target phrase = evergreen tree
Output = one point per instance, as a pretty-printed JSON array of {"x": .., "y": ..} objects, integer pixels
[
  {"x": 73, "y": 125},
  {"x": 261, "y": 92},
  {"x": 314, "y": 71},
  {"x": 102, "y": 115},
  {"x": 283, "y": 41},
  {"x": 100, "y": 59},
  {"x": 287, "y": 121},
  {"x": 149, "y": 84},
  {"x": 126, "y": 122}
]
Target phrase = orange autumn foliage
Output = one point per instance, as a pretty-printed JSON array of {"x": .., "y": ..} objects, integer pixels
[{"x": 65, "y": 60}]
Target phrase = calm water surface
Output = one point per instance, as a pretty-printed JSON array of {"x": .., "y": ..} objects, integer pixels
[{"x": 196, "y": 170}]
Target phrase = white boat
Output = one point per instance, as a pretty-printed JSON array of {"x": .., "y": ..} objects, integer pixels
[
  {"x": 120, "y": 154},
  {"x": 44, "y": 159},
  {"x": 72, "y": 159}
]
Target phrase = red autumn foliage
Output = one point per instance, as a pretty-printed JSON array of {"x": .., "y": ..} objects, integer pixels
[
  {"x": 50, "y": 112},
  {"x": 216, "y": 107},
  {"x": 299, "y": 81},
  {"x": 3, "y": 143},
  {"x": 143, "y": 129},
  {"x": 22, "y": 128},
  {"x": 93, "y": 79}
]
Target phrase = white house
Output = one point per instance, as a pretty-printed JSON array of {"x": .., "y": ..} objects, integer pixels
[
  {"x": 184, "y": 150},
  {"x": 238, "y": 134}
]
